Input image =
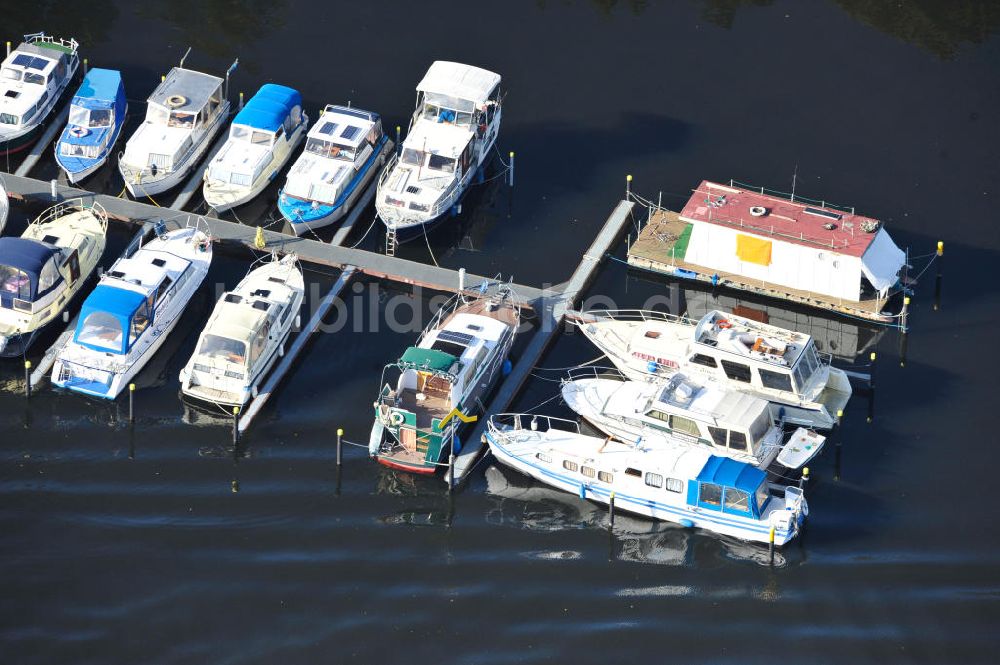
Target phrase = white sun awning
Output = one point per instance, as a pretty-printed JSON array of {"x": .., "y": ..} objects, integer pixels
[{"x": 881, "y": 261}]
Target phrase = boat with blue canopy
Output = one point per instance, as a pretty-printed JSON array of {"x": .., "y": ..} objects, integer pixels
[
  {"x": 126, "y": 318},
  {"x": 344, "y": 151},
  {"x": 682, "y": 484},
  {"x": 42, "y": 271},
  {"x": 96, "y": 117},
  {"x": 261, "y": 140}
]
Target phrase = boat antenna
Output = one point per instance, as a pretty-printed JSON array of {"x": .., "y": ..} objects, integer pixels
[
  {"x": 795, "y": 175},
  {"x": 186, "y": 54},
  {"x": 232, "y": 68}
]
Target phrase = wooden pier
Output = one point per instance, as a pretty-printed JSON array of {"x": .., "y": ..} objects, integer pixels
[{"x": 654, "y": 250}]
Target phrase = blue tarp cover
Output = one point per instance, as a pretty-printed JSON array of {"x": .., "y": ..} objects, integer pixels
[
  {"x": 269, "y": 107},
  {"x": 101, "y": 88},
  {"x": 28, "y": 256},
  {"x": 730, "y": 473}
]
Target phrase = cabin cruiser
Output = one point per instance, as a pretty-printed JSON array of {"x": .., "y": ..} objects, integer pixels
[
  {"x": 684, "y": 412},
  {"x": 32, "y": 79},
  {"x": 96, "y": 117},
  {"x": 778, "y": 365},
  {"x": 43, "y": 270},
  {"x": 682, "y": 484},
  {"x": 183, "y": 115},
  {"x": 261, "y": 140},
  {"x": 245, "y": 335},
  {"x": 126, "y": 318},
  {"x": 453, "y": 128},
  {"x": 453, "y": 365},
  {"x": 344, "y": 150}
]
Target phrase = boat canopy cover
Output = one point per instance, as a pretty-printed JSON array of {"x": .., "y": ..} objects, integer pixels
[
  {"x": 428, "y": 360},
  {"x": 268, "y": 109},
  {"x": 101, "y": 89},
  {"x": 457, "y": 80},
  {"x": 882, "y": 260},
  {"x": 28, "y": 256},
  {"x": 728, "y": 472},
  {"x": 121, "y": 303}
]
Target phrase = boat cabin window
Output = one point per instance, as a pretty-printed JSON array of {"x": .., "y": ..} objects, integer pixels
[
  {"x": 82, "y": 117},
  {"x": 183, "y": 120},
  {"x": 702, "y": 359},
  {"x": 808, "y": 364},
  {"x": 675, "y": 485},
  {"x": 719, "y": 435},
  {"x": 330, "y": 150},
  {"x": 633, "y": 472},
  {"x": 48, "y": 276},
  {"x": 101, "y": 330},
  {"x": 544, "y": 457},
  {"x": 140, "y": 321},
  {"x": 413, "y": 157},
  {"x": 157, "y": 115},
  {"x": 570, "y": 466},
  {"x": 684, "y": 426},
  {"x": 737, "y": 440},
  {"x": 441, "y": 163},
  {"x": 761, "y": 497},
  {"x": 9, "y": 119},
  {"x": 760, "y": 426},
  {"x": 261, "y": 138},
  {"x": 259, "y": 341},
  {"x": 654, "y": 480},
  {"x": 164, "y": 286},
  {"x": 590, "y": 472},
  {"x": 710, "y": 495},
  {"x": 77, "y": 150},
  {"x": 32, "y": 77},
  {"x": 446, "y": 109},
  {"x": 736, "y": 501},
  {"x": 606, "y": 477},
  {"x": 775, "y": 380},
  {"x": 11, "y": 74},
  {"x": 223, "y": 348},
  {"x": 15, "y": 282},
  {"x": 659, "y": 415},
  {"x": 736, "y": 371}
]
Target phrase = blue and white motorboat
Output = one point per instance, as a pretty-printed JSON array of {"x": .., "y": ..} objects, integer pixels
[
  {"x": 261, "y": 140},
  {"x": 682, "y": 484},
  {"x": 126, "y": 318},
  {"x": 453, "y": 129},
  {"x": 43, "y": 270},
  {"x": 96, "y": 117},
  {"x": 344, "y": 150}
]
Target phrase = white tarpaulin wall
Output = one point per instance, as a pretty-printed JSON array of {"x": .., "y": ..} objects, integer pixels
[{"x": 882, "y": 261}]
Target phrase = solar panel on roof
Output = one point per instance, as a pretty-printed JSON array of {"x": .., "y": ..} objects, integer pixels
[
  {"x": 328, "y": 128},
  {"x": 456, "y": 337},
  {"x": 22, "y": 60},
  {"x": 350, "y": 132},
  {"x": 823, "y": 213}
]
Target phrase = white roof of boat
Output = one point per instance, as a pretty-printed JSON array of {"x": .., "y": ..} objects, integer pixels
[
  {"x": 458, "y": 80},
  {"x": 342, "y": 126},
  {"x": 195, "y": 87},
  {"x": 234, "y": 320},
  {"x": 481, "y": 327},
  {"x": 440, "y": 138},
  {"x": 737, "y": 409}
]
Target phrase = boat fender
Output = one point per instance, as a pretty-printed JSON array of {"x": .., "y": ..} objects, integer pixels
[
  {"x": 686, "y": 522},
  {"x": 651, "y": 367},
  {"x": 281, "y": 350},
  {"x": 253, "y": 392},
  {"x": 397, "y": 418},
  {"x": 724, "y": 324},
  {"x": 79, "y": 132},
  {"x": 507, "y": 367},
  {"x": 176, "y": 101}
]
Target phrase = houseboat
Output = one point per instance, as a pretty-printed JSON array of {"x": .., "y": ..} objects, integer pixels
[
  {"x": 445, "y": 375},
  {"x": 96, "y": 117},
  {"x": 684, "y": 412},
  {"x": 245, "y": 335},
  {"x": 183, "y": 115},
  {"x": 681, "y": 484},
  {"x": 453, "y": 128},
  {"x": 126, "y": 318},
  {"x": 32, "y": 79},
  {"x": 778, "y": 365},
  {"x": 344, "y": 150},
  {"x": 261, "y": 139},
  {"x": 41, "y": 271}
]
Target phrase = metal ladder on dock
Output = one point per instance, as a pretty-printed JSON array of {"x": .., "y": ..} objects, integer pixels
[{"x": 390, "y": 241}]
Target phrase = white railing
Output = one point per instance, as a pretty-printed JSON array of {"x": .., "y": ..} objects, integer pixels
[
  {"x": 70, "y": 44},
  {"x": 639, "y": 315},
  {"x": 594, "y": 372},
  {"x": 502, "y": 424},
  {"x": 70, "y": 206}
]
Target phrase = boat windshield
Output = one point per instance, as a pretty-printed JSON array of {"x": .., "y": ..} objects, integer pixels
[
  {"x": 182, "y": 120},
  {"x": 77, "y": 150},
  {"x": 101, "y": 330},
  {"x": 760, "y": 427},
  {"x": 9, "y": 119},
  {"x": 441, "y": 163},
  {"x": 82, "y": 117},
  {"x": 330, "y": 149},
  {"x": 411, "y": 156},
  {"x": 11, "y": 74},
  {"x": 761, "y": 496},
  {"x": 217, "y": 347},
  {"x": 15, "y": 282},
  {"x": 250, "y": 135},
  {"x": 157, "y": 115},
  {"x": 806, "y": 367}
]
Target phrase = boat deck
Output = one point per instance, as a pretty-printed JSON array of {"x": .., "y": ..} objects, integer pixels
[{"x": 664, "y": 235}]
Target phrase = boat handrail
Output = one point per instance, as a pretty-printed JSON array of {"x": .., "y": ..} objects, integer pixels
[
  {"x": 638, "y": 315},
  {"x": 594, "y": 372},
  {"x": 502, "y": 423},
  {"x": 62, "y": 208},
  {"x": 35, "y": 37}
]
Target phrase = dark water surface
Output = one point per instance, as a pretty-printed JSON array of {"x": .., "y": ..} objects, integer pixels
[{"x": 162, "y": 545}]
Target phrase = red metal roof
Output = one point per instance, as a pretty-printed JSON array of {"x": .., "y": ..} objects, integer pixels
[{"x": 796, "y": 222}]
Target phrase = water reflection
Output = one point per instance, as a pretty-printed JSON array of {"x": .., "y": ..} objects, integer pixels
[{"x": 219, "y": 27}]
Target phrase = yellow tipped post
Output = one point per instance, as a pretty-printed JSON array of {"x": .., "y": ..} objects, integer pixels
[
  {"x": 27, "y": 378},
  {"x": 840, "y": 414},
  {"x": 940, "y": 248},
  {"x": 258, "y": 240},
  {"x": 163, "y": 77},
  {"x": 628, "y": 185},
  {"x": 340, "y": 440}
]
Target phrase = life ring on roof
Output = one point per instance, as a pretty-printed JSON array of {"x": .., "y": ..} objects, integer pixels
[
  {"x": 79, "y": 132},
  {"x": 757, "y": 211},
  {"x": 724, "y": 324},
  {"x": 175, "y": 101}
]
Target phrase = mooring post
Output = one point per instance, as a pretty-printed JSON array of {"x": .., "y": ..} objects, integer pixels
[
  {"x": 611, "y": 512},
  {"x": 241, "y": 100},
  {"x": 27, "y": 378},
  {"x": 461, "y": 280},
  {"x": 510, "y": 173},
  {"x": 340, "y": 437},
  {"x": 451, "y": 470},
  {"x": 53, "y": 189},
  {"x": 628, "y": 186},
  {"x": 804, "y": 478},
  {"x": 85, "y": 66},
  {"x": 904, "y": 315},
  {"x": 236, "y": 425},
  {"x": 871, "y": 370},
  {"x": 131, "y": 400},
  {"x": 399, "y": 146},
  {"x": 8, "y": 48},
  {"x": 770, "y": 544}
]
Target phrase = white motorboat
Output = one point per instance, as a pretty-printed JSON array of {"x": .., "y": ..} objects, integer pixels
[
  {"x": 452, "y": 366},
  {"x": 245, "y": 334},
  {"x": 126, "y": 318},
  {"x": 344, "y": 150},
  {"x": 32, "y": 79},
  {"x": 453, "y": 128},
  {"x": 681, "y": 411},
  {"x": 261, "y": 139},
  {"x": 43, "y": 270},
  {"x": 781, "y": 366},
  {"x": 682, "y": 484},
  {"x": 183, "y": 115}
]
